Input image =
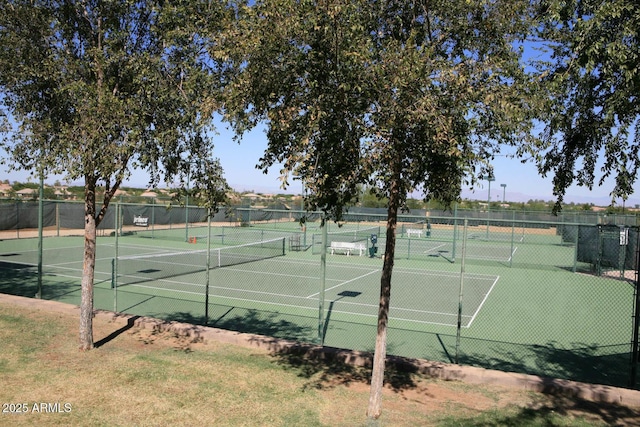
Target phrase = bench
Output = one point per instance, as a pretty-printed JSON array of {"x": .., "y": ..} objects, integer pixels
[
  {"x": 347, "y": 248},
  {"x": 414, "y": 231}
]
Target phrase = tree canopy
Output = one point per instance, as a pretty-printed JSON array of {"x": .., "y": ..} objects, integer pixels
[
  {"x": 395, "y": 95},
  {"x": 100, "y": 87},
  {"x": 440, "y": 80},
  {"x": 591, "y": 72}
]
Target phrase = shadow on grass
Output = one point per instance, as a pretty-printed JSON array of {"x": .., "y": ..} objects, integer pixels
[
  {"x": 131, "y": 321},
  {"x": 326, "y": 368}
]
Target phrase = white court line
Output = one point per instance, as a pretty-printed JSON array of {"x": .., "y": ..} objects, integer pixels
[
  {"x": 436, "y": 248},
  {"x": 314, "y": 308},
  {"x": 448, "y": 274},
  {"x": 230, "y": 297},
  {"x": 483, "y": 301},
  {"x": 297, "y": 262},
  {"x": 344, "y": 283},
  {"x": 262, "y": 273},
  {"x": 61, "y": 267},
  {"x": 53, "y": 249},
  {"x": 295, "y": 297},
  {"x": 423, "y": 322}
]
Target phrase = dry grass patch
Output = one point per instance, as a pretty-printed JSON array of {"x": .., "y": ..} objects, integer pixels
[{"x": 149, "y": 377}]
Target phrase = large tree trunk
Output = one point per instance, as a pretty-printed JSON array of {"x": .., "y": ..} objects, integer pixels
[
  {"x": 377, "y": 376},
  {"x": 88, "y": 265}
]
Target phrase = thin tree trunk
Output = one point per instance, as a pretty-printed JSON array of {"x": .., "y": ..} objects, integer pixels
[
  {"x": 88, "y": 266},
  {"x": 377, "y": 376}
]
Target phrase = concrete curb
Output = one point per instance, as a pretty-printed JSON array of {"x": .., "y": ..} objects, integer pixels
[{"x": 444, "y": 371}]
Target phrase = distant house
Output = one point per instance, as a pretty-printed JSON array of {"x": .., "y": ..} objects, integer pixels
[
  {"x": 150, "y": 193},
  {"x": 63, "y": 193},
  {"x": 5, "y": 190},
  {"x": 27, "y": 193}
]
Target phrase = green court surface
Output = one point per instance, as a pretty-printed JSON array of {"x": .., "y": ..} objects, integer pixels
[{"x": 519, "y": 303}]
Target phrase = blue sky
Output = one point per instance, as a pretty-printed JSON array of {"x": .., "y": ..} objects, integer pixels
[{"x": 239, "y": 160}]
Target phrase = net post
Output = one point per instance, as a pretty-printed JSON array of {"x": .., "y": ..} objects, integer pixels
[
  {"x": 114, "y": 285},
  {"x": 113, "y": 269}
]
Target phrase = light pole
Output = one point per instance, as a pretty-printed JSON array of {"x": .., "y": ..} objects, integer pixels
[{"x": 504, "y": 190}]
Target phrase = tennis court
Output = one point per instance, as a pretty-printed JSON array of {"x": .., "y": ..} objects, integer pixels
[
  {"x": 248, "y": 277},
  {"x": 521, "y": 300},
  {"x": 351, "y": 290}
]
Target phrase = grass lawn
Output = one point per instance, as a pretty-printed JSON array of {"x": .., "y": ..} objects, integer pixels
[{"x": 143, "y": 377}]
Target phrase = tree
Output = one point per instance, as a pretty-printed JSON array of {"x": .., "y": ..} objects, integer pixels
[
  {"x": 398, "y": 96},
  {"x": 593, "y": 80},
  {"x": 100, "y": 87}
]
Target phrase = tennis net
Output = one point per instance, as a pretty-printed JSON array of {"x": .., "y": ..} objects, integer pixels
[
  {"x": 147, "y": 268},
  {"x": 349, "y": 236}
]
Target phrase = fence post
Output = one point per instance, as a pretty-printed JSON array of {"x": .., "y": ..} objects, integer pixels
[
  {"x": 575, "y": 248},
  {"x": 455, "y": 231},
  {"x": 57, "y": 219},
  {"x": 153, "y": 217},
  {"x": 40, "y": 225},
  {"x": 114, "y": 261},
  {"x": 458, "y": 329},
  {"x": 206, "y": 289},
  {"x": 17, "y": 219},
  {"x": 513, "y": 236},
  {"x": 323, "y": 276},
  {"x": 635, "y": 348}
]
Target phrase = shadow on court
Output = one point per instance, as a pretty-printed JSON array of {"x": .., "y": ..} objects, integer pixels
[
  {"x": 22, "y": 280},
  {"x": 582, "y": 362},
  {"x": 343, "y": 294}
]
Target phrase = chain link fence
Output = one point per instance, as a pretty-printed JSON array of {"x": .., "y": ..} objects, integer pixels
[{"x": 514, "y": 291}]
